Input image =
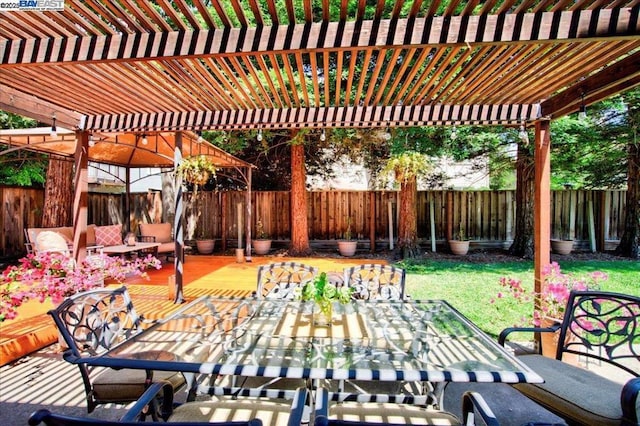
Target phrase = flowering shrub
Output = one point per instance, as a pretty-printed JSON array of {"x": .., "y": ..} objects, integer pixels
[
  {"x": 56, "y": 276},
  {"x": 555, "y": 291}
]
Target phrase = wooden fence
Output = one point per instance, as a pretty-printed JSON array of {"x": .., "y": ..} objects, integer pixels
[{"x": 487, "y": 217}]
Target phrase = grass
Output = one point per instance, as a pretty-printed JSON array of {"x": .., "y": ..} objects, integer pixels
[{"x": 470, "y": 287}]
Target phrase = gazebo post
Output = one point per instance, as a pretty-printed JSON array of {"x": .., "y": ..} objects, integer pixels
[
  {"x": 81, "y": 188},
  {"x": 127, "y": 200},
  {"x": 177, "y": 221}
]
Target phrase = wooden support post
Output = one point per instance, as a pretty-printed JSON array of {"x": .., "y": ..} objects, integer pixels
[
  {"x": 80, "y": 197},
  {"x": 223, "y": 220},
  {"x": 239, "y": 212},
  {"x": 449, "y": 230},
  {"x": 542, "y": 203},
  {"x": 372, "y": 221},
  {"x": 390, "y": 213}
]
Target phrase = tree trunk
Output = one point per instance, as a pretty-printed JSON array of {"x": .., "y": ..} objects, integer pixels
[
  {"x": 408, "y": 223},
  {"x": 299, "y": 230},
  {"x": 630, "y": 242},
  {"x": 522, "y": 245},
  {"x": 58, "y": 194}
]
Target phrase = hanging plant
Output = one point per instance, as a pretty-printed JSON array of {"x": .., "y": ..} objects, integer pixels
[{"x": 196, "y": 170}]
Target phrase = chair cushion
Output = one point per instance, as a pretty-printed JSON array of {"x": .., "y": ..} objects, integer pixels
[
  {"x": 391, "y": 413},
  {"x": 110, "y": 235},
  {"x": 226, "y": 409},
  {"x": 169, "y": 247},
  {"x": 573, "y": 392},
  {"x": 162, "y": 231},
  {"x": 48, "y": 241},
  {"x": 128, "y": 385}
]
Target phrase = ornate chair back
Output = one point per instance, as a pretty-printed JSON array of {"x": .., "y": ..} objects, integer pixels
[
  {"x": 373, "y": 281},
  {"x": 91, "y": 323},
  {"x": 278, "y": 280}
]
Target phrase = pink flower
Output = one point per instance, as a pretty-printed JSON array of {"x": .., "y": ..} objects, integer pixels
[
  {"x": 55, "y": 276},
  {"x": 555, "y": 290}
]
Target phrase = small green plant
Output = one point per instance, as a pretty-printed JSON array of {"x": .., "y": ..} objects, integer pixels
[
  {"x": 261, "y": 234},
  {"x": 347, "y": 232},
  {"x": 461, "y": 234},
  {"x": 324, "y": 293}
]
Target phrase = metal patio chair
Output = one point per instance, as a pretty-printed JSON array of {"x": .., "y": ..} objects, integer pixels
[
  {"x": 158, "y": 400},
  {"x": 376, "y": 282},
  {"x": 91, "y": 323},
  {"x": 278, "y": 280}
]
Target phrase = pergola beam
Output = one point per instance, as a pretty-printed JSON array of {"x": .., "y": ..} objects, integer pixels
[
  {"x": 17, "y": 102},
  {"x": 564, "y": 26},
  {"x": 623, "y": 75},
  {"x": 426, "y": 115}
]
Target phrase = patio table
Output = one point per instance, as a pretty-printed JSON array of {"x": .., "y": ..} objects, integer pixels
[{"x": 413, "y": 340}]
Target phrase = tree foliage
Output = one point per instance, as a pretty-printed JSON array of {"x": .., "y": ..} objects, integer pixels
[{"x": 20, "y": 167}]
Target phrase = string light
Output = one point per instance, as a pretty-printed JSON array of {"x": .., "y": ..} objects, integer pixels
[
  {"x": 200, "y": 138},
  {"x": 454, "y": 133},
  {"x": 54, "y": 129},
  {"x": 259, "y": 138},
  {"x": 387, "y": 134},
  {"x": 523, "y": 135},
  {"x": 144, "y": 139},
  {"x": 323, "y": 136},
  {"x": 92, "y": 142},
  {"x": 582, "y": 115}
]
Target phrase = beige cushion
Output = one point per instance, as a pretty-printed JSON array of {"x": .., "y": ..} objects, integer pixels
[
  {"x": 579, "y": 394},
  {"x": 128, "y": 385},
  {"x": 162, "y": 231},
  {"x": 50, "y": 241},
  {"x": 270, "y": 412},
  {"x": 110, "y": 235},
  {"x": 391, "y": 413},
  {"x": 65, "y": 231}
]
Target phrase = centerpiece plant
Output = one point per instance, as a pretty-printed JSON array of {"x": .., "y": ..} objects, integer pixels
[
  {"x": 56, "y": 276},
  {"x": 323, "y": 293}
]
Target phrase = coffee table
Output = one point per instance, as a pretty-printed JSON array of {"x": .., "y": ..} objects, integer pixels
[{"x": 124, "y": 249}]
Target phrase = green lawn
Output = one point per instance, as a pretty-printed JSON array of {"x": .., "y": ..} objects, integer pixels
[{"x": 469, "y": 287}]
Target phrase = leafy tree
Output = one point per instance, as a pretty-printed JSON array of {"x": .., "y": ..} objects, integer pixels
[{"x": 20, "y": 167}]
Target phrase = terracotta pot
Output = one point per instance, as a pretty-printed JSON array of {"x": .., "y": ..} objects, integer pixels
[
  {"x": 459, "y": 247},
  {"x": 549, "y": 342},
  {"x": 205, "y": 246},
  {"x": 347, "y": 248},
  {"x": 562, "y": 246},
  {"x": 261, "y": 247}
]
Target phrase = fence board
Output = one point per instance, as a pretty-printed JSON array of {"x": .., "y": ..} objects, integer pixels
[{"x": 486, "y": 216}]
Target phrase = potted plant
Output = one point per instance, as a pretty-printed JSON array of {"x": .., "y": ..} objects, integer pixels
[
  {"x": 323, "y": 293},
  {"x": 564, "y": 245},
  {"x": 459, "y": 244},
  {"x": 347, "y": 247},
  {"x": 197, "y": 170},
  {"x": 262, "y": 242}
]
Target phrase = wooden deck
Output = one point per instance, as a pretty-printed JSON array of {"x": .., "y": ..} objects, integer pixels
[{"x": 33, "y": 329}]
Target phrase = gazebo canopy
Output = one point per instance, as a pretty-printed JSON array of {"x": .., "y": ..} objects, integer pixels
[
  {"x": 121, "y": 149},
  {"x": 136, "y": 66}
]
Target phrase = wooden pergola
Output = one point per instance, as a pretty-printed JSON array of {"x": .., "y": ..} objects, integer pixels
[{"x": 140, "y": 66}]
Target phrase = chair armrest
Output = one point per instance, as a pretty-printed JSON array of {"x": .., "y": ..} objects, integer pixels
[
  {"x": 629, "y": 400},
  {"x": 150, "y": 398},
  {"x": 472, "y": 403},
  {"x": 504, "y": 333},
  {"x": 301, "y": 401}
]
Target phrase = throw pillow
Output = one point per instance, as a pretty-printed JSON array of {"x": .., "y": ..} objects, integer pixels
[{"x": 110, "y": 235}]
